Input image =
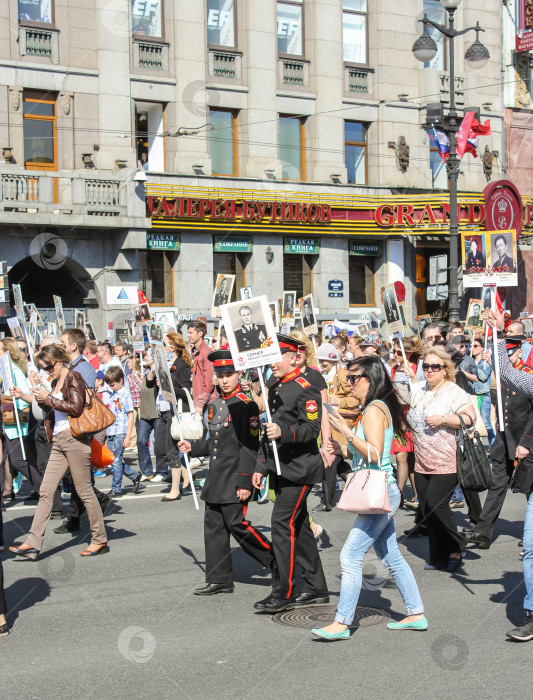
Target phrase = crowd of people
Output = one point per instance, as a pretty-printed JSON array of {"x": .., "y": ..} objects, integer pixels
[{"x": 327, "y": 409}]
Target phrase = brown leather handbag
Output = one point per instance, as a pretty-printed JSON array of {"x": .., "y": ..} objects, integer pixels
[{"x": 96, "y": 416}]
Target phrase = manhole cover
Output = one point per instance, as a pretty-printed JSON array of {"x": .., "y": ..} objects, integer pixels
[{"x": 319, "y": 615}]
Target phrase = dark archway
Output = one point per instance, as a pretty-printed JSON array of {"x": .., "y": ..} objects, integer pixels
[{"x": 38, "y": 284}]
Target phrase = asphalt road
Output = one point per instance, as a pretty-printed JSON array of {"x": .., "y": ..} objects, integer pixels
[{"x": 125, "y": 625}]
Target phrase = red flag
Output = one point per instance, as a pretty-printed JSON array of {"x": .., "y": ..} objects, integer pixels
[
  {"x": 481, "y": 129},
  {"x": 142, "y": 297},
  {"x": 464, "y": 133}
]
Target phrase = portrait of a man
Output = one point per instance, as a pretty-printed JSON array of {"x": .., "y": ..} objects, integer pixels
[
  {"x": 308, "y": 317},
  {"x": 475, "y": 257},
  {"x": 474, "y": 319},
  {"x": 250, "y": 335},
  {"x": 501, "y": 260},
  {"x": 222, "y": 293}
]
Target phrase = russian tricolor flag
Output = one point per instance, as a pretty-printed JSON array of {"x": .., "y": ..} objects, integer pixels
[{"x": 442, "y": 142}]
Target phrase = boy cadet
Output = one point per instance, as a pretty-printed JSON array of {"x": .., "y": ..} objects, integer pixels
[
  {"x": 296, "y": 408},
  {"x": 233, "y": 423}
]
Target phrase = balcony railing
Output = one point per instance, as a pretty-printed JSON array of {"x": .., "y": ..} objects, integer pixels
[
  {"x": 224, "y": 64},
  {"x": 19, "y": 188},
  {"x": 357, "y": 80},
  {"x": 150, "y": 56},
  {"x": 293, "y": 72},
  {"x": 38, "y": 42},
  {"x": 102, "y": 193}
]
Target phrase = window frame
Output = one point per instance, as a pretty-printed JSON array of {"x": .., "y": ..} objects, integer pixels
[
  {"x": 31, "y": 96},
  {"x": 365, "y": 261},
  {"x": 172, "y": 257},
  {"x": 357, "y": 144},
  {"x": 40, "y": 25},
  {"x": 143, "y": 37},
  {"x": 219, "y": 47},
  {"x": 434, "y": 149},
  {"x": 235, "y": 114},
  {"x": 302, "y": 6},
  {"x": 302, "y": 120},
  {"x": 352, "y": 64},
  {"x": 444, "y": 47},
  {"x": 308, "y": 261}
]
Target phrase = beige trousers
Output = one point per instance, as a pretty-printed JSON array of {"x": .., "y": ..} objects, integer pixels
[{"x": 67, "y": 453}]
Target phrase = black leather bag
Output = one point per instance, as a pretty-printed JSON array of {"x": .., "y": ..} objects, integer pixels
[
  {"x": 473, "y": 467},
  {"x": 522, "y": 479}
]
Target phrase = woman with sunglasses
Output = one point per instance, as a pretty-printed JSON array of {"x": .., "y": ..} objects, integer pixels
[
  {"x": 66, "y": 399},
  {"x": 482, "y": 386},
  {"x": 402, "y": 448},
  {"x": 14, "y": 461},
  {"x": 434, "y": 412},
  {"x": 382, "y": 416}
]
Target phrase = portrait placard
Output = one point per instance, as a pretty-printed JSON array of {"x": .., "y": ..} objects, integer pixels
[
  {"x": 163, "y": 374},
  {"x": 60, "y": 317},
  {"x": 222, "y": 293},
  {"x": 392, "y": 310},
  {"x": 474, "y": 317},
  {"x": 288, "y": 308},
  {"x": 307, "y": 312}
]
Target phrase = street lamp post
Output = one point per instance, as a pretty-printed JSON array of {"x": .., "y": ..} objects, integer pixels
[{"x": 477, "y": 56}]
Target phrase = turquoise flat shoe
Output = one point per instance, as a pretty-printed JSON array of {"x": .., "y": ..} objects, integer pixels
[
  {"x": 332, "y": 637},
  {"x": 420, "y": 625}
]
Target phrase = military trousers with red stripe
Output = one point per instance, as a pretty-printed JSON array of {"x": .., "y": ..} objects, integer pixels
[
  {"x": 220, "y": 521},
  {"x": 293, "y": 540}
]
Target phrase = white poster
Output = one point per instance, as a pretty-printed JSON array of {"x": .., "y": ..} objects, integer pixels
[
  {"x": 251, "y": 333},
  {"x": 122, "y": 295},
  {"x": 6, "y": 369},
  {"x": 308, "y": 315},
  {"x": 392, "y": 310},
  {"x": 60, "y": 317},
  {"x": 163, "y": 374}
]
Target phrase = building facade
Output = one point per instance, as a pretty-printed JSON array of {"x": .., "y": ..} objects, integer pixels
[{"x": 163, "y": 142}]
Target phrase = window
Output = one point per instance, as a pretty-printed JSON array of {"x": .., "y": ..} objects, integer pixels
[
  {"x": 290, "y": 27},
  {"x": 221, "y": 23},
  {"x": 297, "y": 274},
  {"x": 354, "y": 31},
  {"x": 40, "y": 145},
  {"x": 355, "y": 152},
  {"x": 146, "y": 18},
  {"x": 39, "y": 11},
  {"x": 149, "y": 128},
  {"x": 223, "y": 141},
  {"x": 439, "y": 174},
  {"x": 231, "y": 264},
  {"x": 155, "y": 275},
  {"x": 435, "y": 12},
  {"x": 361, "y": 280},
  {"x": 291, "y": 148}
]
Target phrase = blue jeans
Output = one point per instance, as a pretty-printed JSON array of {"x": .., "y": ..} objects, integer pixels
[
  {"x": 528, "y": 554},
  {"x": 484, "y": 409},
  {"x": 377, "y": 531},
  {"x": 119, "y": 467},
  {"x": 144, "y": 430}
]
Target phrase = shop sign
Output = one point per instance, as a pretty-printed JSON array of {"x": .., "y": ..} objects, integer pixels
[
  {"x": 232, "y": 209},
  {"x": 504, "y": 207},
  {"x": 524, "y": 37},
  {"x": 335, "y": 288},
  {"x": 162, "y": 241},
  {"x": 425, "y": 214},
  {"x": 367, "y": 249},
  {"x": 301, "y": 245},
  {"x": 233, "y": 244}
]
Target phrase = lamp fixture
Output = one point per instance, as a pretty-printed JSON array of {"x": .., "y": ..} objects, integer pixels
[
  {"x": 140, "y": 176},
  {"x": 450, "y": 4},
  {"x": 425, "y": 49},
  {"x": 87, "y": 159},
  {"x": 7, "y": 152},
  {"x": 477, "y": 55},
  {"x": 121, "y": 163}
]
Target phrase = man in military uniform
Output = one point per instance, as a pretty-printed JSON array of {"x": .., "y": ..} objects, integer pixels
[
  {"x": 233, "y": 422},
  {"x": 250, "y": 335},
  {"x": 296, "y": 409},
  {"x": 516, "y": 442},
  {"x": 221, "y": 297}
]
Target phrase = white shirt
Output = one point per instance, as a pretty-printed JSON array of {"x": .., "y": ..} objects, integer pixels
[{"x": 61, "y": 419}]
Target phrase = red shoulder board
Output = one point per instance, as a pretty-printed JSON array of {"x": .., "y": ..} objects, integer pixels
[
  {"x": 527, "y": 369},
  {"x": 244, "y": 398},
  {"x": 303, "y": 382}
]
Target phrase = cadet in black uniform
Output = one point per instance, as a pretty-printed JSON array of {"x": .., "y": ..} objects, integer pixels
[
  {"x": 516, "y": 441},
  {"x": 233, "y": 421},
  {"x": 296, "y": 409}
]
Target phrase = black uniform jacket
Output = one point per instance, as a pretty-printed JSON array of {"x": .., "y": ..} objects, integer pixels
[
  {"x": 296, "y": 406},
  {"x": 233, "y": 444},
  {"x": 518, "y": 422}
]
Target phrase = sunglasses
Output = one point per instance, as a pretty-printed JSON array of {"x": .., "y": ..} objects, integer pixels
[
  {"x": 477, "y": 345},
  {"x": 353, "y": 378},
  {"x": 23, "y": 349},
  {"x": 49, "y": 368},
  {"x": 433, "y": 368}
]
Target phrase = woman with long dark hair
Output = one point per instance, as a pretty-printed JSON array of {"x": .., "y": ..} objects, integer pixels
[
  {"x": 383, "y": 416},
  {"x": 165, "y": 447}
]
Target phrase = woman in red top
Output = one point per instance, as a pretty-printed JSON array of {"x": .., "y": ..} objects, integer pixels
[{"x": 403, "y": 447}]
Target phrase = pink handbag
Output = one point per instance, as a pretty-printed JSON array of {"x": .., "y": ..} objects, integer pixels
[{"x": 366, "y": 491}]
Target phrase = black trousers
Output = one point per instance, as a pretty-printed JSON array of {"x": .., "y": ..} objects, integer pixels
[
  {"x": 165, "y": 448},
  {"x": 77, "y": 507},
  {"x": 434, "y": 493},
  {"x": 220, "y": 521},
  {"x": 3, "y": 605},
  {"x": 340, "y": 467},
  {"x": 473, "y": 503},
  {"x": 13, "y": 452},
  {"x": 502, "y": 468},
  {"x": 293, "y": 539}
]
